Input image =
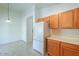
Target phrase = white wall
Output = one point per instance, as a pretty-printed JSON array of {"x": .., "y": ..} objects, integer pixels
[
  {"x": 55, "y": 9},
  {"x": 10, "y": 32},
  {"x": 17, "y": 29},
  {"x": 30, "y": 12},
  {"x": 37, "y": 12},
  {"x": 73, "y": 33}
]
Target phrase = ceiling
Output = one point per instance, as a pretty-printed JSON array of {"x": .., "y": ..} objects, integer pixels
[
  {"x": 25, "y": 6},
  {"x": 46, "y": 4}
]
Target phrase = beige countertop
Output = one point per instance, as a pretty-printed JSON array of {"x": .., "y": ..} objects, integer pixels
[{"x": 73, "y": 40}]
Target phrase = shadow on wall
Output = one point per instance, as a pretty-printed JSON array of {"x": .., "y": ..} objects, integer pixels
[{"x": 65, "y": 32}]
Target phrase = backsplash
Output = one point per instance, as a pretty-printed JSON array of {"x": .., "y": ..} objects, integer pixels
[{"x": 65, "y": 32}]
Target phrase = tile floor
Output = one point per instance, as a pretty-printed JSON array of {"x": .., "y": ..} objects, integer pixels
[{"x": 18, "y": 48}]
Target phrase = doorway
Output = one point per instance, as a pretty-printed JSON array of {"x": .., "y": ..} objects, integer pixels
[{"x": 29, "y": 31}]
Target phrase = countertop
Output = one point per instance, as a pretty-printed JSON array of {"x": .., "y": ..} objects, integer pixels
[{"x": 73, "y": 40}]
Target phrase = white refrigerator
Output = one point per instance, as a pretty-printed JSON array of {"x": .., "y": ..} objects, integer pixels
[{"x": 41, "y": 31}]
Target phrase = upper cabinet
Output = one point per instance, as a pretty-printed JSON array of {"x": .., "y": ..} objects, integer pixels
[
  {"x": 54, "y": 23},
  {"x": 66, "y": 19},
  {"x": 76, "y": 18},
  {"x": 44, "y": 19},
  {"x": 39, "y": 20}
]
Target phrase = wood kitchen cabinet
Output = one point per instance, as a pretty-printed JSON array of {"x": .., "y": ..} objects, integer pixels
[
  {"x": 40, "y": 20},
  {"x": 53, "y": 47},
  {"x": 66, "y": 19},
  {"x": 59, "y": 48},
  {"x": 54, "y": 22},
  {"x": 46, "y": 19},
  {"x": 76, "y": 18},
  {"x": 69, "y": 49}
]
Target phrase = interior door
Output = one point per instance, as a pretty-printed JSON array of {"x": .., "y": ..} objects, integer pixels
[{"x": 29, "y": 30}]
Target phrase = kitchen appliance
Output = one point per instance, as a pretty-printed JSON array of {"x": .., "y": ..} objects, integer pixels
[{"x": 41, "y": 31}]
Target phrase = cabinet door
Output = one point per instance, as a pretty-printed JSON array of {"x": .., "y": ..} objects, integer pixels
[
  {"x": 69, "y": 50},
  {"x": 53, "y": 47},
  {"x": 39, "y": 20},
  {"x": 54, "y": 22},
  {"x": 76, "y": 18},
  {"x": 66, "y": 19},
  {"x": 46, "y": 19}
]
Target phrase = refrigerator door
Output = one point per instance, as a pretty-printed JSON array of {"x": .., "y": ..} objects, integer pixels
[
  {"x": 39, "y": 31},
  {"x": 38, "y": 46},
  {"x": 39, "y": 37}
]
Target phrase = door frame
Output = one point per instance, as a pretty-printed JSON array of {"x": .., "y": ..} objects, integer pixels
[{"x": 27, "y": 26}]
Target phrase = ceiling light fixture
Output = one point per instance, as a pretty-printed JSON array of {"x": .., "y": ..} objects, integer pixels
[{"x": 8, "y": 19}]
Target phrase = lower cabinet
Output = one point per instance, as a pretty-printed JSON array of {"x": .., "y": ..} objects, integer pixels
[
  {"x": 58, "y": 48},
  {"x": 69, "y": 49},
  {"x": 53, "y": 47}
]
